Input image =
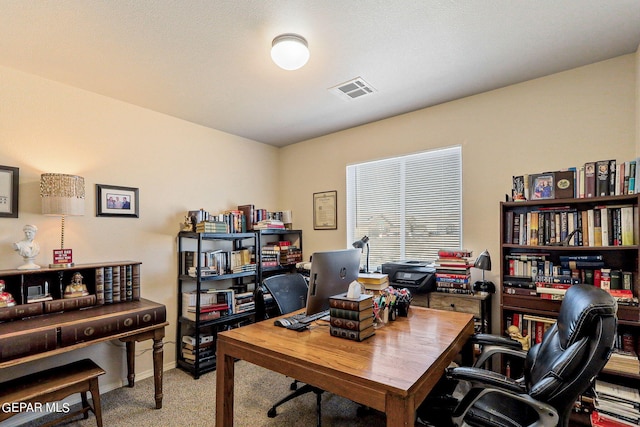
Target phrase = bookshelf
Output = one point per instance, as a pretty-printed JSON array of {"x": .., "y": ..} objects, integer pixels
[
  {"x": 540, "y": 258},
  {"x": 217, "y": 276},
  {"x": 41, "y": 291}
]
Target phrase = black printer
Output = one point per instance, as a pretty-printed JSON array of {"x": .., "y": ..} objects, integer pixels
[{"x": 416, "y": 276}]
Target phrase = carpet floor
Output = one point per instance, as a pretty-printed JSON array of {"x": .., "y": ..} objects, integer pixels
[{"x": 189, "y": 402}]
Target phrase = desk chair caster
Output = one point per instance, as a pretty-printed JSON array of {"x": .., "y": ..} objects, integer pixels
[{"x": 299, "y": 392}]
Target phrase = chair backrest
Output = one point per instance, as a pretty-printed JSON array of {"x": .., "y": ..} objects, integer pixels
[
  {"x": 289, "y": 291},
  {"x": 574, "y": 350}
]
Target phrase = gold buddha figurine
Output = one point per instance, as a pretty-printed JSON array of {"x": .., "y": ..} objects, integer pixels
[
  {"x": 76, "y": 288},
  {"x": 6, "y": 300}
]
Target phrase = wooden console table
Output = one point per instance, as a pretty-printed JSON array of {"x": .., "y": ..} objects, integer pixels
[{"x": 42, "y": 336}]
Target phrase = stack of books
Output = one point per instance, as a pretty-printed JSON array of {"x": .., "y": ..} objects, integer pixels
[
  {"x": 624, "y": 361},
  {"x": 245, "y": 301},
  {"x": 615, "y": 406},
  {"x": 212, "y": 227},
  {"x": 351, "y": 318},
  {"x": 453, "y": 271},
  {"x": 207, "y": 348},
  {"x": 374, "y": 281},
  {"x": 268, "y": 224}
]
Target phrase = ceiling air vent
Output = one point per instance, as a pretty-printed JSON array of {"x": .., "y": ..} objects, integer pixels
[{"x": 356, "y": 88}]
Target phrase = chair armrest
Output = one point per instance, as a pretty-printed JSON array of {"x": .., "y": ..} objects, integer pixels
[
  {"x": 496, "y": 344},
  {"x": 484, "y": 377},
  {"x": 547, "y": 415},
  {"x": 491, "y": 339}
]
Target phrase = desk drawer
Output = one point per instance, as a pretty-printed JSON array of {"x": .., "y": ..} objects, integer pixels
[
  {"x": 25, "y": 344},
  {"x": 451, "y": 302}
]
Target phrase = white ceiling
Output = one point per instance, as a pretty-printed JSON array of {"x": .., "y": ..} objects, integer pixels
[{"x": 207, "y": 61}]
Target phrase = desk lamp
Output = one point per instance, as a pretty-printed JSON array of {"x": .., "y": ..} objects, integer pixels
[
  {"x": 483, "y": 262},
  {"x": 360, "y": 244},
  {"x": 62, "y": 195}
]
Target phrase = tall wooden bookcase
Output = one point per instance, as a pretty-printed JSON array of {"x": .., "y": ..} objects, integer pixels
[
  {"x": 192, "y": 244},
  {"x": 618, "y": 257}
]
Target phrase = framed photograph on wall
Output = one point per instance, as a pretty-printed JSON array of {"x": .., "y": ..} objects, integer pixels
[
  {"x": 9, "y": 177},
  {"x": 325, "y": 210},
  {"x": 112, "y": 200}
]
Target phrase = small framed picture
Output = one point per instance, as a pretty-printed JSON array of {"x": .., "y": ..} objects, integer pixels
[
  {"x": 9, "y": 177},
  {"x": 325, "y": 210},
  {"x": 541, "y": 186},
  {"x": 112, "y": 200}
]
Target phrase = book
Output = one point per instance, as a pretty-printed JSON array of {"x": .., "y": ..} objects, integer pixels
[
  {"x": 108, "y": 285},
  {"x": 356, "y": 325},
  {"x": 67, "y": 304},
  {"x": 350, "y": 314},
  {"x": 374, "y": 281},
  {"x": 99, "y": 285},
  {"x": 352, "y": 334},
  {"x": 116, "y": 284},
  {"x": 590, "y": 179},
  {"x": 133, "y": 273},
  {"x": 565, "y": 184},
  {"x": 602, "y": 178},
  {"x": 454, "y": 253},
  {"x": 341, "y": 301}
]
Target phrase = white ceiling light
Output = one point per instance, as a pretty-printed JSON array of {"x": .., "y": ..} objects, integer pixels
[{"x": 289, "y": 51}]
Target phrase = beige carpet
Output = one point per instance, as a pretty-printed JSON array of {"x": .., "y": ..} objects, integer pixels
[{"x": 189, "y": 402}]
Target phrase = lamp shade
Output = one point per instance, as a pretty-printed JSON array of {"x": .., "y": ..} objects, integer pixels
[
  {"x": 483, "y": 262},
  {"x": 62, "y": 194},
  {"x": 289, "y": 51},
  {"x": 359, "y": 244}
]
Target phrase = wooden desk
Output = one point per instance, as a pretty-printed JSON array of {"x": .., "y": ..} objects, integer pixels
[
  {"x": 37, "y": 337},
  {"x": 393, "y": 371}
]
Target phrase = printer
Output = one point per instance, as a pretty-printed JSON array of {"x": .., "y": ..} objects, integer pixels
[{"x": 416, "y": 276}]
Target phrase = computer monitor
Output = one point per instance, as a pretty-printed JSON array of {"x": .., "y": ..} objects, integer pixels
[{"x": 331, "y": 273}]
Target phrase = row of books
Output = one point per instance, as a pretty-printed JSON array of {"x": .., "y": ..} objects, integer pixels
[
  {"x": 240, "y": 220},
  {"x": 216, "y": 303},
  {"x": 531, "y": 327},
  {"x": 261, "y": 219},
  {"x": 593, "y": 179},
  {"x": 615, "y": 405},
  {"x": 600, "y": 226},
  {"x": 351, "y": 318},
  {"x": 279, "y": 253},
  {"x": 217, "y": 262},
  {"x": 116, "y": 284},
  {"x": 453, "y": 271}
]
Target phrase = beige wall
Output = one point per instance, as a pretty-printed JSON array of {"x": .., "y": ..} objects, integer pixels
[
  {"x": 541, "y": 125},
  {"x": 178, "y": 166}
]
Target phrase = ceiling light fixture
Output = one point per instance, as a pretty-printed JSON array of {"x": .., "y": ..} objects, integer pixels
[{"x": 289, "y": 51}]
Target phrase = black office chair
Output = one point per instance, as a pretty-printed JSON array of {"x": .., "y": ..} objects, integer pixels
[
  {"x": 289, "y": 292},
  {"x": 556, "y": 371}
]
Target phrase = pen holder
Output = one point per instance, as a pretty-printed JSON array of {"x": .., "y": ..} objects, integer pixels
[{"x": 403, "y": 308}]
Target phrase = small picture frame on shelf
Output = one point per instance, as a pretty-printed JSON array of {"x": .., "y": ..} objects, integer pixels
[
  {"x": 113, "y": 200},
  {"x": 542, "y": 186}
]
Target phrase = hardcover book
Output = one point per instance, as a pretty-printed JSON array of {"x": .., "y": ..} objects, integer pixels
[
  {"x": 565, "y": 184},
  {"x": 357, "y": 304},
  {"x": 352, "y": 335}
]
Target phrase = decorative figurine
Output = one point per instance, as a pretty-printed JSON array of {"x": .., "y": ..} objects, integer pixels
[
  {"x": 76, "y": 288},
  {"x": 515, "y": 334},
  {"x": 188, "y": 225},
  {"x": 6, "y": 300},
  {"x": 27, "y": 248}
]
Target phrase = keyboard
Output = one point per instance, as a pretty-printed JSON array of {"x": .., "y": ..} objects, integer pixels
[{"x": 300, "y": 321}]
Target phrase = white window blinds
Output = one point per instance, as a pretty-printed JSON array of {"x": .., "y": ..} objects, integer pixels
[{"x": 409, "y": 206}]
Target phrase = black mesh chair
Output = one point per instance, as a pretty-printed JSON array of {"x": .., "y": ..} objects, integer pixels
[
  {"x": 289, "y": 291},
  {"x": 556, "y": 371}
]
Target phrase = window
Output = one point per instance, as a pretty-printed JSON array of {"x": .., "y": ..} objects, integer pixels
[{"x": 409, "y": 206}]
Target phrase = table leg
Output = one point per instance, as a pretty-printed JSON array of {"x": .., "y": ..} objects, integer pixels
[
  {"x": 224, "y": 387},
  {"x": 131, "y": 362},
  {"x": 400, "y": 412},
  {"x": 158, "y": 354}
]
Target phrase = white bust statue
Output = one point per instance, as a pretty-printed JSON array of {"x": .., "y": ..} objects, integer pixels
[{"x": 28, "y": 248}]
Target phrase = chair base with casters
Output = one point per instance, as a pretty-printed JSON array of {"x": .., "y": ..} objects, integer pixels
[{"x": 299, "y": 392}]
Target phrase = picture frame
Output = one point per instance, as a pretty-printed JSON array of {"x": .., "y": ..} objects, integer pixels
[
  {"x": 541, "y": 186},
  {"x": 325, "y": 210},
  {"x": 116, "y": 201},
  {"x": 9, "y": 191}
]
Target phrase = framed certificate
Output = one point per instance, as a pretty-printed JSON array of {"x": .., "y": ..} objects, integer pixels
[
  {"x": 325, "y": 210},
  {"x": 9, "y": 192}
]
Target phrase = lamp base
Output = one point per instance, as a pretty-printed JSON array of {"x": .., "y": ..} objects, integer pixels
[
  {"x": 62, "y": 265},
  {"x": 484, "y": 286}
]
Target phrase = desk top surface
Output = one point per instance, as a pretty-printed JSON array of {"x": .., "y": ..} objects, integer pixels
[{"x": 399, "y": 355}]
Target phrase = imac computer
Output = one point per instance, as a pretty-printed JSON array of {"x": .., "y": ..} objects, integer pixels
[{"x": 331, "y": 273}]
